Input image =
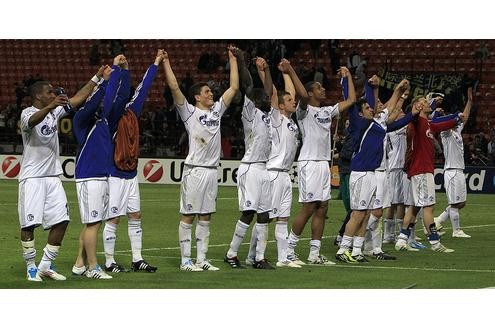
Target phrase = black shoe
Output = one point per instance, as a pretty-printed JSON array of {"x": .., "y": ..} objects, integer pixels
[
  {"x": 263, "y": 265},
  {"x": 383, "y": 256},
  {"x": 142, "y": 265},
  {"x": 233, "y": 262},
  {"x": 114, "y": 267}
]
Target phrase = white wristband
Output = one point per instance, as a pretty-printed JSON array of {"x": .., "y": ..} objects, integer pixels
[{"x": 95, "y": 79}]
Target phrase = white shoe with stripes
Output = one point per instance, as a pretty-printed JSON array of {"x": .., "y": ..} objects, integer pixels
[
  {"x": 441, "y": 248},
  {"x": 97, "y": 273},
  {"x": 190, "y": 266},
  {"x": 52, "y": 274},
  {"x": 207, "y": 266}
]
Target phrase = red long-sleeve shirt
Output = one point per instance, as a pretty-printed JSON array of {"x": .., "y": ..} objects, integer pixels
[{"x": 420, "y": 151}]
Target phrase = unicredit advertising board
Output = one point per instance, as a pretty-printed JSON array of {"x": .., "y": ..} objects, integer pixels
[{"x": 169, "y": 171}]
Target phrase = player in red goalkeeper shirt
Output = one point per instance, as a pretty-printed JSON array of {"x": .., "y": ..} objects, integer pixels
[{"x": 419, "y": 167}]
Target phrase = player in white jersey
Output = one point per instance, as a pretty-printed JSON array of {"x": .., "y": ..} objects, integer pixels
[
  {"x": 285, "y": 140},
  {"x": 253, "y": 181},
  {"x": 199, "y": 185},
  {"x": 453, "y": 175},
  {"x": 42, "y": 199},
  {"x": 313, "y": 165}
]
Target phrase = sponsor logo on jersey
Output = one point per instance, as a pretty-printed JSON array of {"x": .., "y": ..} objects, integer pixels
[
  {"x": 11, "y": 167},
  {"x": 47, "y": 130},
  {"x": 204, "y": 121},
  {"x": 323, "y": 120},
  {"x": 153, "y": 171}
]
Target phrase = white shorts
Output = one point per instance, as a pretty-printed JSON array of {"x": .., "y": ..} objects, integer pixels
[
  {"x": 408, "y": 196},
  {"x": 396, "y": 185},
  {"x": 281, "y": 194},
  {"x": 362, "y": 188},
  {"x": 198, "y": 190},
  {"x": 253, "y": 188},
  {"x": 42, "y": 201},
  {"x": 123, "y": 196},
  {"x": 455, "y": 186},
  {"x": 382, "y": 194},
  {"x": 92, "y": 196},
  {"x": 314, "y": 181},
  {"x": 423, "y": 189}
]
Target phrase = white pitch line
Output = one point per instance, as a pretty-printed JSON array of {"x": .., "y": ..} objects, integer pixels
[{"x": 273, "y": 241}]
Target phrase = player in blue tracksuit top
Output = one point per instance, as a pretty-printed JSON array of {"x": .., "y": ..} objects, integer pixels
[
  {"x": 123, "y": 186},
  {"x": 92, "y": 168},
  {"x": 368, "y": 132}
]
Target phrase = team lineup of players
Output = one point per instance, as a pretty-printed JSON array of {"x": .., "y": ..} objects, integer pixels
[{"x": 389, "y": 158}]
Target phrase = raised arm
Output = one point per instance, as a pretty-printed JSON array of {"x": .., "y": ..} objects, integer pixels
[
  {"x": 268, "y": 83},
  {"x": 112, "y": 86},
  {"x": 261, "y": 74},
  {"x": 245, "y": 79},
  {"x": 80, "y": 97},
  {"x": 469, "y": 104},
  {"x": 346, "y": 104},
  {"x": 296, "y": 82},
  {"x": 392, "y": 102},
  {"x": 172, "y": 81},
  {"x": 123, "y": 93},
  {"x": 229, "y": 94}
]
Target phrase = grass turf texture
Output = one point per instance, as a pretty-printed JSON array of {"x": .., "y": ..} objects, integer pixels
[{"x": 472, "y": 265}]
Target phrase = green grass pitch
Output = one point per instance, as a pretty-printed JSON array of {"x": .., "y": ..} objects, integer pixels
[{"x": 468, "y": 267}]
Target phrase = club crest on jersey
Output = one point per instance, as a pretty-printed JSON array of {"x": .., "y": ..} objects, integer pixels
[
  {"x": 215, "y": 114},
  {"x": 204, "y": 121},
  {"x": 47, "y": 130},
  {"x": 30, "y": 217},
  {"x": 323, "y": 120},
  {"x": 94, "y": 213},
  {"x": 310, "y": 195},
  {"x": 377, "y": 202},
  {"x": 266, "y": 118},
  {"x": 248, "y": 203},
  {"x": 362, "y": 203},
  {"x": 189, "y": 207},
  {"x": 114, "y": 209},
  {"x": 292, "y": 127},
  {"x": 275, "y": 210}
]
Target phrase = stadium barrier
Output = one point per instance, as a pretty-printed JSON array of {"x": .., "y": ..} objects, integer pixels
[{"x": 169, "y": 171}]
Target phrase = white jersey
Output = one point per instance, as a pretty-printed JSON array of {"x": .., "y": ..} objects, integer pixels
[
  {"x": 453, "y": 148},
  {"x": 41, "y": 148},
  {"x": 203, "y": 129},
  {"x": 397, "y": 144},
  {"x": 284, "y": 142},
  {"x": 257, "y": 133},
  {"x": 315, "y": 123},
  {"x": 383, "y": 164}
]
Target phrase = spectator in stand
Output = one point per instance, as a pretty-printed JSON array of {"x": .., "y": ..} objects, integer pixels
[
  {"x": 491, "y": 147},
  {"x": 353, "y": 61}
]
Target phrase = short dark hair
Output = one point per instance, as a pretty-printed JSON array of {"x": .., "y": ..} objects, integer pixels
[
  {"x": 195, "y": 90},
  {"x": 309, "y": 86},
  {"x": 360, "y": 103},
  {"x": 37, "y": 88},
  {"x": 281, "y": 94}
]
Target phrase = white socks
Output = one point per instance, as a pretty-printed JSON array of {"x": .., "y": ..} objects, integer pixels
[
  {"x": 292, "y": 242},
  {"x": 314, "y": 249},
  {"x": 202, "y": 240},
  {"x": 136, "y": 237},
  {"x": 345, "y": 244},
  {"x": 185, "y": 235},
  {"x": 281, "y": 236},
  {"x": 445, "y": 215},
  {"x": 109, "y": 237},
  {"x": 50, "y": 253},
  {"x": 29, "y": 253},
  {"x": 357, "y": 245},
  {"x": 454, "y": 218},
  {"x": 252, "y": 243},
  {"x": 239, "y": 233},
  {"x": 262, "y": 238}
]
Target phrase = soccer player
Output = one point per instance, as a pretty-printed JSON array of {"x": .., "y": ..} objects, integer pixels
[
  {"x": 454, "y": 179},
  {"x": 419, "y": 168},
  {"x": 124, "y": 197},
  {"x": 253, "y": 180},
  {"x": 313, "y": 165},
  {"x": 284, "y": 146},
  {"x": 199, "y": 186},
  {"x": 92, "y": 167},
  {"x": 42, "y": 199},
  {"x": 371, "y": 129}
]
